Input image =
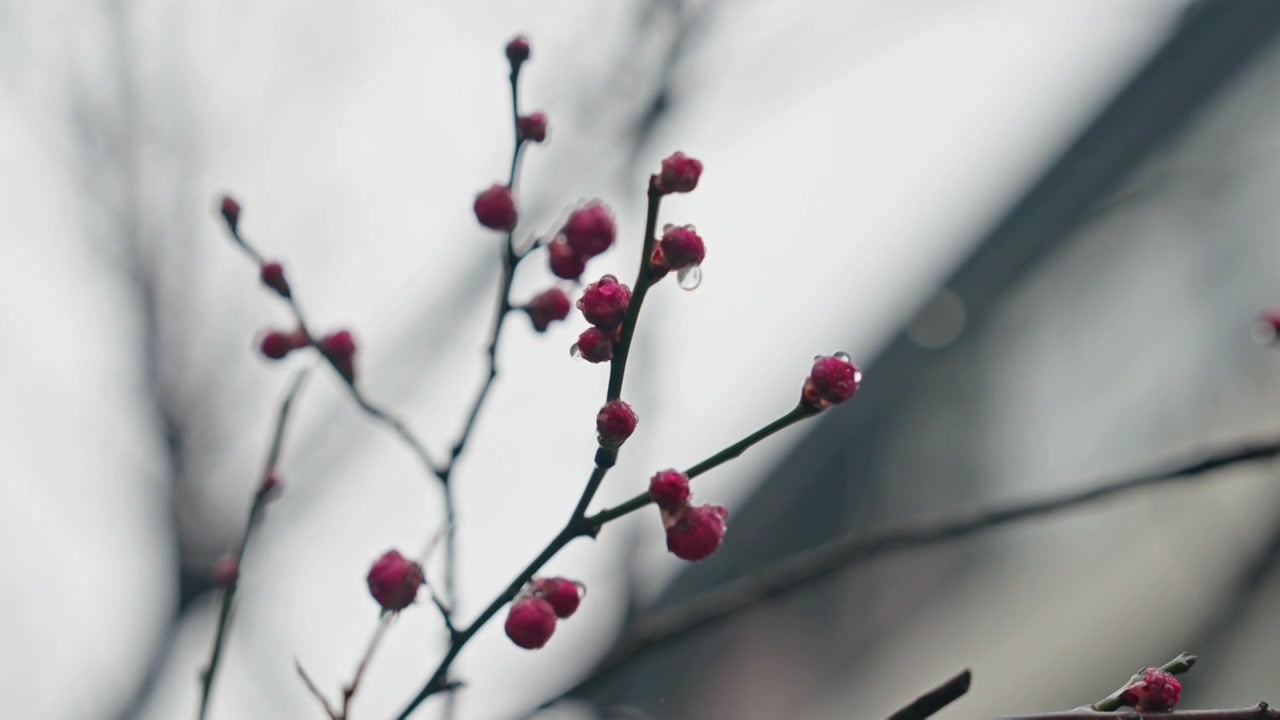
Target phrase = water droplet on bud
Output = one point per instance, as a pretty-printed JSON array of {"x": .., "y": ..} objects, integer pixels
[
  {"x": 574, "y": 352},
  {"x": 689, "y": 278},
  {"x": 843, "y": 356}
]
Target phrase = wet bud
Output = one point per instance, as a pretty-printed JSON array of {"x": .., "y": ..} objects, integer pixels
[
  {"x": 496, "y": 208},
  {"x": 604, "y": 302},
  {"x": 394, "y": 581},
  {"x": 680, "y": 174},
  {"x": 679, "y": 248},
  {"x": 1155, "y": 691},
  {"x": 532, "y": 127},
  {"x": 833, "y": 379},
  {"x": 530, "y": 622},
  {"x": 563, "y": 594},
  {"x": 548, "y": 307},
  {"x": 697, "y": 532},
  {"x": 614, "y": 423},
  {"x": 565, "y": 261},
  {"x": 590, "y": 229},
  {"x": 594, "y": 345},
  {"x": 669, "y": 489}
]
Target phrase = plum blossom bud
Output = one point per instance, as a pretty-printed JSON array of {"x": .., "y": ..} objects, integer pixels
[
  {"x": 230, "y": 210},
  {"x": 496, "y": 208},
  {"x": 590, "y": 229},
  {"x": 678, "y": 248},
  {"x": 614, "y": 423},
  {"x": 517, "y": 52},
  {"x": 563, "y": 594},
  {"x": 833, "y": 379},
  {"x": 532, "y": 127},
  {"x": 277, "y": 344},
  {"x": 272, "y": 274},
  {"x": 565, "y": 261},
  {"x": 594, "y": 345},
  {"x": 530, "y": 622},
  {"x": 679, "y": 174},
  {"x": 604, "y": 302},
  {"x": 394, "y": 580},
  {"x": 340, "y": 349},
  {"x": 1155, "y": 691},
  {"x": 697, "y": 532},
  {"x": 669, "y": 489},
  {"x": 226, "y": 569},
  {"x": 549, "y": 306}
]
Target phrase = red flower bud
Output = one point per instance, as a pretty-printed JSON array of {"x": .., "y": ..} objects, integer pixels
[
  {"x": 340, "y": 349},
  {"x": 1155, "y": 691},
  {"x": 594, "y": 345},
  {"x": 230, "y": 210},
  {"x": 226, "y": 570},
  {"x": 517, "y": 52},
  {"x": 272, "y": 274},
  {"x": 532, "y": 127},
  {"x": 669, "y": 489},
  {"x": 548, "y": 307},
  {"x": 496, "y": 208},
  {"x": 614, "y": 423},
  {"x": 565, "y": 261},
  {"x": 679, "y": 174},
  {"x": 833, "y": 379},
  {"x": 277, "y": 344},
  {"x": 562, "y": 594},
  {"x": 394, "y": 581},
  {"x": 697, "y": 532},
  {"x": 604, "y": 302},
  {"x": 679, "y": 248},
  {"x": 589, "y": 229},
  {"x": 530, "y": 622}
]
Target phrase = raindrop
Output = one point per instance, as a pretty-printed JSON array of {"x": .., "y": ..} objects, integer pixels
[
  {"x": 582, "y": 588},
  {"x": 844, "y": 356},
  {"x": 574, "y": 352},
  {"x": 689, "y": 278},
  {"x": 857, "y": 376}
]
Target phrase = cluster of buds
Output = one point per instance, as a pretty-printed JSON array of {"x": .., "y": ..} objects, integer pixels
[
  {"x": 588, "y": 232},
  {"x": 532, "y": 618},
  {"x": 1154, "y": 690},
  {"x": 394, "y": 581},
  {"x": 604, "y": 304},
  {"x": 694, "y": 532},
  {"x": 833, "y": 379}
]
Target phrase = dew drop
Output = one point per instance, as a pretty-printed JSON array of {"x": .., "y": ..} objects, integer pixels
[
  {"x": 689, "y": 278},
  {"x": 582, "y": 588},
  {"x": 844, "y": 356},
  {"x": 857, "y": 376},
  {"x": 574, "y": 352}
]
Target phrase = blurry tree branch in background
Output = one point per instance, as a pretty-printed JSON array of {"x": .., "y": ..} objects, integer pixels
[{"x": 931, "y": 702}]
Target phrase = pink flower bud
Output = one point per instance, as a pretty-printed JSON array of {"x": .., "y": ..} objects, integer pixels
[
  {"x": 1155, "y": 691},
  {"x": 517, "y": 52},
  {"x": 697, "y": 532},
  {"x": 562, "y": 594},
  {"x": 226, "y": 570},
  {"x": 340, "y": 349},
  {"x": 589, "y": 229},
  {"x": 277, "y": 344},
  {"x": 530, "y": 622},
  {"x": 604, "y": 302},
  {"x": 394, "y": 581},
  {"x": 679, "y": 248},
  {"x": 548, "y": 307},
  {"x": 833, "y": 379},
  {"x": 532, "y": 127},
  {"x": 272, "y": 274},
  {"x": 594, "y": 345},
  {"x": 565, "y": 261},
  {"x": 230, "y": 210},
  {"x": 679, "y": 174},
  {"x": 496, "y": 208},
  {"x": 669, "y": 489},
  {"x": 614, "y": 423}
]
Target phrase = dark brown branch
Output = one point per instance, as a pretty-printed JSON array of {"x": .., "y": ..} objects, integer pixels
[
  {"x": 936, "y": 699},
  {"x": 260, "y": 499},
  {"x": 808, "y": 567},
  {"x": 1261, "y": 711}
]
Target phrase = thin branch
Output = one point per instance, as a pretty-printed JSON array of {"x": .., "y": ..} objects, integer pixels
[
  {"x": 644, "y": 279},
  {"x": 810, "y": 566},
  {"x": 579, "y": 525},
  {"x": 1261, "y": 711},
  {"x": 260, "y": 499},
  {"x": 349, "y": 691},
  {"x": 315, "y": 691},
  {"x": 1114, "y": 701},
  {"x": 931, "y": 702}
]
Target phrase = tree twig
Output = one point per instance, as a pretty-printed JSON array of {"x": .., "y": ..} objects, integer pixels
[
  {"x": 931, "y": 702},
  {"x": 823, "y": 561},
  {"x": 1261, "y": 711},
  {"x": 349, "y": 691},
  {"x": 315, "y": 691},
  {"x": 260, "y": 499}
]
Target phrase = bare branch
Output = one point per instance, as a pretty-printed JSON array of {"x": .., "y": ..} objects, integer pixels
[
  {"x": 315, "y": 691},
  {"x": 931, "y": 702}
]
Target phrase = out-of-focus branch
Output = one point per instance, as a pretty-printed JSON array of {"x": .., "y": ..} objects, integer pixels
[
  {"x": 936, "y": 699},
  {"x": 1261, "y": 711},
  {"x": 260, "y": 499},
  {"x": 821, "y": 562}
]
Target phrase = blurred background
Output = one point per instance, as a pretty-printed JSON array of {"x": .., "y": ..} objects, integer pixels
[{"x": 1043, "y": 229}]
